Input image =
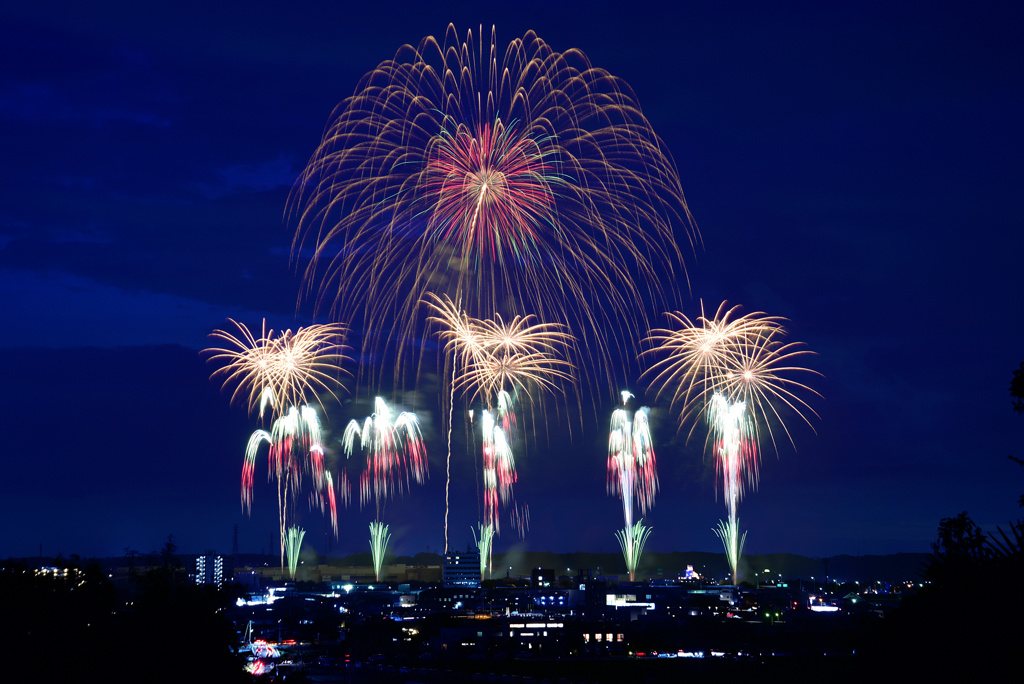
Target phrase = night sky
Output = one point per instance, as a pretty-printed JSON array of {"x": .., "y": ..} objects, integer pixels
[{"x": 857, "y": 171}]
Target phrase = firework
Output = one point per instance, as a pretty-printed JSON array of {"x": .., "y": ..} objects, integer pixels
[
  {"x": 462, "y": 335},
  {"x": 524, "y": 178},
  {"x": 499, "y": 468},
  {"x": 326, "y": 498},
  {"x": 379, "y": 538},
  {"x": 632, "y": 539},
  {"x": 462, "y": 342},
  {"x": 735, "y": 455},
  {"x": 394, "y": 455},
  {"x": 632, "y": 474},
  {"x": 394, "y": 452},
  {"x": 492, "y": 375},
  {"x": 495, "y": 357},
  {"x": 295, "y": 447},
  {"x": 256, "y": 440},
  {"x": 734, "y": 446},
  {"x": 281, "y": 371},
  {"x": 736, "y": 371},
  {"x": 483, "y": 544},
  {"x": 698, "y": 355},
  {"x": 520, "y": 516},
  {"x": 632, "y": 468},
  {"x": 732, "y": 541},
  {"x": 743, "y": 357},
  {"x": 294, "y": 545},
  {"x": 762, "y": 379}
]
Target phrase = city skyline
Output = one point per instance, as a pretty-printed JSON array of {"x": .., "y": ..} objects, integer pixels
[{"x": 855, "y": 171}]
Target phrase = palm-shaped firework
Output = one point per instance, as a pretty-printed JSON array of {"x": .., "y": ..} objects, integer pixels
[
  {"x": 294, "y": 545},
  {"x": 395, "y": 454},
  {"x": 293, "y": 438},
  {"x": 483, "y": 546},
  {"x": 632, "y": 476},
  {"x": 736, "y": 372},
  {"x": 379, "y": 539}
]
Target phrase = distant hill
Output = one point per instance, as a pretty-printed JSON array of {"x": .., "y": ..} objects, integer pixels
[{"x": 892, "y": 568}]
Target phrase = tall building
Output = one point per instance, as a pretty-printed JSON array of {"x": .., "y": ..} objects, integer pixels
[
  {"x": 462, "y": 568},
  {"x": 210, "y": 569}
]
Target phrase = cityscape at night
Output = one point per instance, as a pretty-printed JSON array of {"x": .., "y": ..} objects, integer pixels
[{"x": 448, "y": 343}]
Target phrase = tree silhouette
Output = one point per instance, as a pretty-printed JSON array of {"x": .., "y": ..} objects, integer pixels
[{"x": 1017, "y": 389}]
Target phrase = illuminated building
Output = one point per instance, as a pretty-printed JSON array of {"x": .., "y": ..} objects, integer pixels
[
  {"x": 210, "y": 569},
  {"x": 462, "y": 568}
]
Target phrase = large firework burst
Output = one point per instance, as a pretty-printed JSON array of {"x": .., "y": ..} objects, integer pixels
[
  {"x": 525, "y": 179},
  {"x": 517, "y": 358}
]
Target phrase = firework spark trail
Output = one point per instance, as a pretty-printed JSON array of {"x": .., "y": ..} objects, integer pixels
[
  {"x": 327, "y": 499},
  {"x": 490, "y": 468},
  {"x": 484, "y": 542},
  {"x": 505, "y": 465},
  {"x": 734, "y": 446},
  {"x": 732, "y": 541},
  {"x": 256, "y": 440},
  {"x": 498, "y": 461},
  {"x": 736, "y": 455},
  {"x": 632, "y": 467},
  {"x": 620, "y": 462},
  {"x": 736, "y": 372},
  {"x": 448, "y": 461},
  {"x": 506, "y": 413},
  {"x": 461, "y": 342},
  {"x": 525, "y": 178},
  {"x": 520, "y": 517}
]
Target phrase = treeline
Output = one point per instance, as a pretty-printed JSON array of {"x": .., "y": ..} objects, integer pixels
[{"x": 76, "y": 624}]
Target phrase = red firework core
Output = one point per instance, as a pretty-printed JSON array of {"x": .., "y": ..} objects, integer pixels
[{"x": 492, "y": 192}]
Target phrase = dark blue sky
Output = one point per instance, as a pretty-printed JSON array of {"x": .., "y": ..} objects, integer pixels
[{"x": 856, "y": 170}]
